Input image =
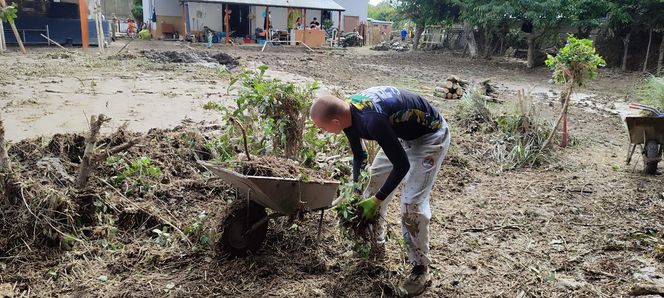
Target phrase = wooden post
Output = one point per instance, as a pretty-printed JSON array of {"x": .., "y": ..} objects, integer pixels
[
  {"x": 83, "y": 14},
  {"x": 563, "y": 143},
  {"x": 227, "y": 24},
  {"x": 267, "y": 23},
  {"x": 304, "y": 20},
  {"x": 11, "y": 24},
  {"x": 339, "y": 29},
  {"x": 184, "y": 20}
]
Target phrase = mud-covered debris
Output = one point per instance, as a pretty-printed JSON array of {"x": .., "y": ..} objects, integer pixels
[
  {"x": 191, "y": 57},
  {"x": 386, "y": 46}
]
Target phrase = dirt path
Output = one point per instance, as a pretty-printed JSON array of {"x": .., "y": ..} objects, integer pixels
[
  {"x": 577, "y": 227},
  {"x": 43, "y": 96}
]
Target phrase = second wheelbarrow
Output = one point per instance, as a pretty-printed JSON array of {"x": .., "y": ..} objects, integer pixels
[
  {"x": 245, "y": 228},
  {"x": 647, "y": 132}
]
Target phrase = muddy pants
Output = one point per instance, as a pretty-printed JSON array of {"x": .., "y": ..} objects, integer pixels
[{"x": 425, "y": 155}]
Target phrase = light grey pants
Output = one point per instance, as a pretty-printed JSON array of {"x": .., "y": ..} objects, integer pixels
[{"x": 425, "y": 155}]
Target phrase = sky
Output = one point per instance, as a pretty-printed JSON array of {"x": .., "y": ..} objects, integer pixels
[{"x": 374, "y": 2}]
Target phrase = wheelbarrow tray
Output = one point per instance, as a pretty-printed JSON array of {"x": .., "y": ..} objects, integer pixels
[
  {"x": 283, "y": 195},
  {"x": 650, "y": 128}
]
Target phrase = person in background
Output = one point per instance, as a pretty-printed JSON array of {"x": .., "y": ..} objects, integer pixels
[
  {"x": 404, "y": 32},
  {"x": 314, "y": 24},
  {"x": 114, "y": 26},
  {"x": 298, "y": 24},
  {"x": 131, "y": 28}
]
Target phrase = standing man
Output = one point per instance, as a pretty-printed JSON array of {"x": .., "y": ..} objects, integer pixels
[{"x": 414, "y": 139}]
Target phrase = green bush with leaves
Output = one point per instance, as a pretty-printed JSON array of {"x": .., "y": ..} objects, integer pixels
[
  {"x": 576, "y": 63},
  {"x": 652, "y": 92}
]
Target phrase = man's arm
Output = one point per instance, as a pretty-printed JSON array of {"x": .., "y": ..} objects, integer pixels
[
  {"x": 359, "y": 154},
  {"x": 381, "y": 130}
]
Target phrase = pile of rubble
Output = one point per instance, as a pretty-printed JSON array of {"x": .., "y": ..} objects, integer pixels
[{"x": 386, "y": 46}]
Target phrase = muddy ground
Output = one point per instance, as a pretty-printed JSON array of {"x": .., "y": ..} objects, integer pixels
[{"x": 577, "y": 226}]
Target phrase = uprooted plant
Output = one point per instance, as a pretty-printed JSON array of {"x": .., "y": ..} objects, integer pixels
[
  {"x": 360, "y": 232},
  {"x": 521, "y": 136},
  {"x": 273, "y": 115}
]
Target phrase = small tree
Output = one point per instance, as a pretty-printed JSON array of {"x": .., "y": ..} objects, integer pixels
[
  {"x": 8, "y": 14},
  {"x": 575, "y": 64}
]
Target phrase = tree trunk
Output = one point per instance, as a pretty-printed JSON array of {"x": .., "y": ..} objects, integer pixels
[
  {"x": 645, "y": 62},
  {"x": 419, "y": 28},
  {"x": 4, "y": 158},
  {"x": 625, "y": 51},
  {"x": 470, "y": 39},
  {"x": 18, "y": 37},
  {"x": 87, "y": 161},
  {"x": 661, "y": 55},
  {"x": 3, "y": 45},
  {"x": 488, "y": 39},
  {"x": 530, "y": 39},
  {"x": 565, "y": 97}
]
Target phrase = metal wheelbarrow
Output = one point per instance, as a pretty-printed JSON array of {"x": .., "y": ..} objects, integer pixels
[
  {"x": 245, "y": 228},
  {"x": 647, "y": 132}
]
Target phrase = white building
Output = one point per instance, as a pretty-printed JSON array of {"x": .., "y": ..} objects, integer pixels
[{"x": 247, "y": 15}]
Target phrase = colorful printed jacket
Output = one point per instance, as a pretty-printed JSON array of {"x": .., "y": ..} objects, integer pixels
[{"x": 386, "y": 114}]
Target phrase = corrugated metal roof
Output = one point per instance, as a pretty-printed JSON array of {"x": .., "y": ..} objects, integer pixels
[{"x": 308, "y": 4}]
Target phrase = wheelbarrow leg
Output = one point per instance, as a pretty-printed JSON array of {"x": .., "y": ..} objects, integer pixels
[{"x": 630, "y": 153}]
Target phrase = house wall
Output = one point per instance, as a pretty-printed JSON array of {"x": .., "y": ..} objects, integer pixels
[
  {"x": 358, "y": 8},
  {"x": 121, "y": 8},
  {"x": 206, "y": 14}
]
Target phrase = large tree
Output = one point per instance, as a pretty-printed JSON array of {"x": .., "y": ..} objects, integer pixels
[
  {"x": 427, "y": 12},
  {"x": 588, "y": 15},
  {"x": 492, "y": 17},
  {"x": 540, "y": 20},
  {"x": 384, "y": 11},
  {"x": 624, "y": 17}
]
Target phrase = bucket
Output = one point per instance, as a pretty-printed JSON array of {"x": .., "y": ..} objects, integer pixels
[{"x": 261, "y": 41}]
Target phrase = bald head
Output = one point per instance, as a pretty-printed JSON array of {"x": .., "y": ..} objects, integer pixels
[{"x": 330, "y": 113}]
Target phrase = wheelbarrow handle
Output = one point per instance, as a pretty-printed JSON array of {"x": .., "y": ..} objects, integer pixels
[{"x": 639, "y": 106}]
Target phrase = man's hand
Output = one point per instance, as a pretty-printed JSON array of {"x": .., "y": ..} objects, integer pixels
[{"x": 370, "y": 208}]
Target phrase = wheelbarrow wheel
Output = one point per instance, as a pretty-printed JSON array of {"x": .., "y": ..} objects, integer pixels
[
  {"x": 651, "y": 157},
  {"x": 244, "y": 230}
]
